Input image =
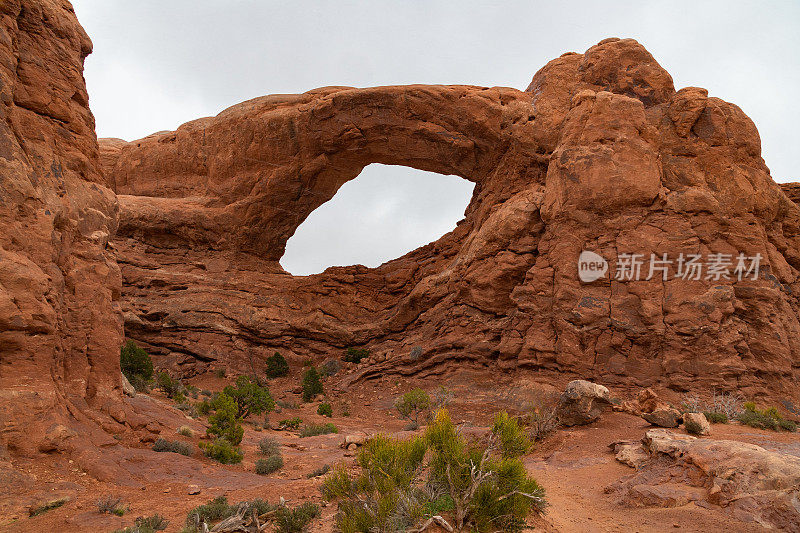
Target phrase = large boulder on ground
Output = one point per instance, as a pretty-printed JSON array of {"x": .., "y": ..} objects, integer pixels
[
  {"x": 582, "y": 403},
  {"x": 757, "y": 485},
  {"x": 696, "y": 423},
  {"x": 665, "y": 417}
]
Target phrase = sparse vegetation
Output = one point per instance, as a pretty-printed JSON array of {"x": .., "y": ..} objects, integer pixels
[
  {"x": 269, "y": 446},
  {"x": 716, "y": 417},
  {"x": 171, "y": 387},
  {"x": 176, "y": 446},
  {"x": 719, "y": 409},
  {"x": 249, "y": 397},
  {"x": 220, "y": 372},
  {"x": 213, "y": 511},
  {"x": 295, "y": 520},
  {"x": 483, "y": 485},
  {"x": 277, "y": 366},
  {"x": 355, "y": 355},
  {"x": 269, "y": 465},
  {"x": 768, "y": 418},
  {"x": 49, "y": 506},
  {"x": 225, "y": 422},
  {"x": 325, "y": 409},
  {"x": 146, "y": 524},
  {"x": 321, "y": 471},
  {"x": 290, "y": 423},
  {"x": 186, "y": 431},
  {"x": 312, "y": 430},
  {"x": 311, "y": 384},
  {"x": 136, "y": 365},
  {"x": 111, "y": 505},
  {"x": 222, "y": 451},
  {"x": 543, "y": 419},
  {"x": 283, "y": 404},
  {"x": 413, "y": 405}
]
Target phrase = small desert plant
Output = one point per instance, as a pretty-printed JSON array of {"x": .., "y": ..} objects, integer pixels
[
  {"x": 330, "y": 367},
  {"x": 225, "y": 421},
  {"x": 312, "y": 430},
  {"x": 277, "y": 366},
  {"x": 321, "y": 471},
  {"x": 49, "y": 506},
  {"x": 269, "y": 465},
  {"x": 325, "y": 409},
  {"x": 220, "y": 372},
  {"x": 269, "y": 446},
  {"x": 355, "y": 355},
  {"x": 186, "y": 431},
  {"x": 413, "y": 405},
  {"x": 146, "y": 524},
  {"x": 140, "y": 384},
  {"x": 311, "y": 384},
  {"x": 716, "y": 417},
  {"x": 134, "y": 362},
  {"x": 222, "y": 451},
  {"x": 416, "y": 353},
  {"x": 284, "y": 404},
  {"x": 768, "y": 418},
  {"x": 290, "y": 423},
  {"x": 176, "y": 446},
  {"x": 295, "y": 520},
  {"x": 543, "y": 419},
  {"x": 250, "y": 397},
  {"x": 171, "y": 387},
  {"x": 213, "y": 511},
  {"x": 111, "y": 505}
]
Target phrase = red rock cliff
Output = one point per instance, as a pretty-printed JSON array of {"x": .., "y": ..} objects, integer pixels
[
  {"x": 60, "y": 330},
  {"x": 600, "y": 153}
]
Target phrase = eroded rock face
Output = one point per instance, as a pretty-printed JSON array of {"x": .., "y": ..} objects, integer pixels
[
  {"x": 757, "y": 485},
  {"x": 60, "y": 329},
  {"x": 600, "y": 153}
]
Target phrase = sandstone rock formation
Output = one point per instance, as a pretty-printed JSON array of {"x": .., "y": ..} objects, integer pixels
[
  {"x": 60, "y": 330},
  {"x": 599, "y": 153},
  {"x": 757, "y": 485},
  {"x": 582, "y": 403}
]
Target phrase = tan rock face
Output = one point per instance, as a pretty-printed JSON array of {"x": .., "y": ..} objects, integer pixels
[
  {"x": 600, "y": 153},
  {"x": 60, "y": 330}
]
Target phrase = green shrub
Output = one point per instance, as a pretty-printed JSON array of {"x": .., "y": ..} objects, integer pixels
[
  {"x": 186, "y": 431},
  {"x": 768, "y": 418},
  {"x": 171, "y": 387},
  {"x": 413, "y": 405},
  {"x": 325, "y": 409},
  {"x": 225, "y": 423},
  {"x": 355, "y": 355},
  {"x": 213, "y": 511},
  {"x": 49, "y": 506},
  {"x": 146, "y": 524},
  {"x": 220, "y": 372},
  {"x": 134, "y": 362},
  {"x": 321, "y": 471},
  {"x": 290, "y": 423},
  {"x": 277, "y": 366},
  {"x": 250, "y": 397},
  {"x": 295, "y": 520},
  {"x": 269, "y": 446},
  {"x": 222, "y": 451},
  {"x": 269, "y": 465},
  {"x": 111, "y": 505},
  {"x": 483, "y": 484},
  {"x": 164, "y": 445},
  {"x": 139, "y": 383},
  {"x": 716, "y": 417},
  {"x": 311, "y": 384},
  {"x": 204, "y": 407},
  {"x": 312, "y": 430}
]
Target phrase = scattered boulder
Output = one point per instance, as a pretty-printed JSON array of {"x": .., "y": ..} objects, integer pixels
[
  {"x": 757, "y": 485},
  {"x": 696, "y": 424},
  {"x": 127, "y": 388},
  {"x": 356, "y": 439},
  {"x": 582, "y": 403},
  {"x": 55, "y": 439},
  {"x": 665, "y": 417}
]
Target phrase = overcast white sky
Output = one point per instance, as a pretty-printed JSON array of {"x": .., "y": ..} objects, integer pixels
[{"x": 157, "y": 64}]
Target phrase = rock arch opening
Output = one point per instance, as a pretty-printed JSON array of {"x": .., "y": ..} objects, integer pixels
[{"x": 386, "y": 212}]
